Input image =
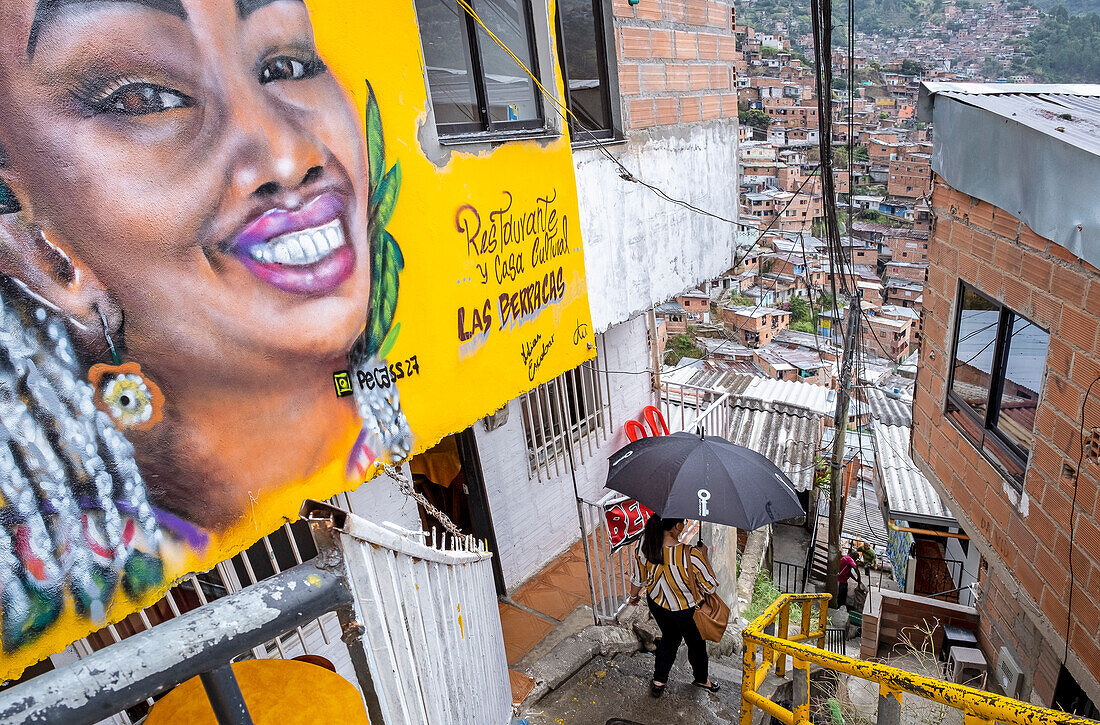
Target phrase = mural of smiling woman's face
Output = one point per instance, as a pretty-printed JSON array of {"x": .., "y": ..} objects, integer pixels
[
  {"x": 204, "y": 173},
  {"x": 192, "y": 189},
  {"x": 214, "y": 215}
]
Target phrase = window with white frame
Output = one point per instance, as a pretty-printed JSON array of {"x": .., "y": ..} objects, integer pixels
[{"x": 567, "y": 419}]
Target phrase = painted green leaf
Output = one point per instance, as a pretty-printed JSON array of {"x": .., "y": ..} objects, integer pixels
[
  {"x": 384, "y": 201},
  {"x": 391, "y": 340},
  {"x": 376, "y": 145}
]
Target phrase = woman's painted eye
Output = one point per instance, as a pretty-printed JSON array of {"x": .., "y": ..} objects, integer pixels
[
  {"x": 285, "y": 68},
  {"x": 139, "y": 99}
]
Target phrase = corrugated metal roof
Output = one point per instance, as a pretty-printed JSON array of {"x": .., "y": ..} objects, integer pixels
[
  {"x": 909, "y": 495},
  {"x": 1038, "y": 106},
  {"x": 889, "y": 409},
  {"x": 816, "y": 398},
  {"x": 787, "y": 435},
  {"x": 863, "y": 519}
]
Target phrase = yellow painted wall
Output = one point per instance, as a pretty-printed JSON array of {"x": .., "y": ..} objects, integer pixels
[{"x": 521, "y": 196}]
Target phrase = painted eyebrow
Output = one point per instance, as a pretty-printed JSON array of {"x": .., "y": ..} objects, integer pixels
[
  {"x": 47, "y": 10},
  {"x": 247, "y": 7}
]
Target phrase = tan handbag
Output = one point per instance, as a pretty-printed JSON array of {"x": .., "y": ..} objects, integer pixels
[{"x": 712, "y": 615}]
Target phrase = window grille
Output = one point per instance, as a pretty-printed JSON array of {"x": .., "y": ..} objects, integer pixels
[{"x": 568, "y": 417}]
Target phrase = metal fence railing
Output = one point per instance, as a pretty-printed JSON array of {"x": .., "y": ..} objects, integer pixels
[
  {"x": 763, "y": 651},
  {"x": 690, "y": 407},
  {"x": 835, "y": 637},
  {"x": 608, "y": 568},
  {"x": 419, "y": 621},
  {"x": 788, "y": 578},
  {"x": 431, "y": 621},
  {"x": 937, "y": 577}
]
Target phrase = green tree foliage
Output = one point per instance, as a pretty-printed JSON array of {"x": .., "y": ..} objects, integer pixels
[
  {"x": 681, "y": 346},
  {"x": 1073, "y": 7},
  {"x": 805, "y": 326},
  {"x": 911, "y": 67},
  {"x": 1064, "y": 48},
  {"x": 754, "y": 117},
  {"x": 800, "y": 310}
]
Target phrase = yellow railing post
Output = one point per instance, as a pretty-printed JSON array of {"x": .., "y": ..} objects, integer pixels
[
  {"x": 800, "y": 695},
  {"x": 823, "y": 620},
  {"x": 979, "y": 707},
  {"x": 781, "y": 632},
  {"x": 748, "y": 680},
  {"x": 969, "y": 719},
  {"x": 767, "y": 656},
  {"x": 889, "y": 705}
]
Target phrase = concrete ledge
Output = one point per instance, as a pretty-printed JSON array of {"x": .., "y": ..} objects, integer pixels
[{"x": 567, "y": 657}]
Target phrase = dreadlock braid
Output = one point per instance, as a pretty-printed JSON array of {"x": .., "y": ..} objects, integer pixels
[{"x": 74, "y": 514}]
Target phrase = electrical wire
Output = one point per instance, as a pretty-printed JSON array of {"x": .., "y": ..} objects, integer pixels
[
  {"x": 627, "y": 175},
  {"x": 737, "y": 262},
  {"x": 567, "y": 114},
  {"x": 1072, "y": 512}
]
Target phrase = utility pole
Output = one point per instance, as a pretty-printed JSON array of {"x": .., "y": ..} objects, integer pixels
[{"x": 840, "y": 428}]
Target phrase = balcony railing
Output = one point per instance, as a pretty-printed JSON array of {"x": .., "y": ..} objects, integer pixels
[{"x": 978, "y": 707}]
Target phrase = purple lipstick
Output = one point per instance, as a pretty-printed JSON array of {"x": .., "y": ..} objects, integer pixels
[{"x": 302, "y": 251}]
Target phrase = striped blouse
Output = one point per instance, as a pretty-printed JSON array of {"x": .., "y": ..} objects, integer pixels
[{"x": 669, "y": 584}]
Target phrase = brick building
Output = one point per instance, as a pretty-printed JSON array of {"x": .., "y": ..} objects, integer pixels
[
  {"x": 907, "y": 245},
  {"x": 755, "y": 326},
  {"x": 885, "y": 334},
  {"x": 910, "y": 176},
  {"x": 696, "y": 305},
  {"x": 1010, "y": 351},
  {"x": 912, "y": 271}
]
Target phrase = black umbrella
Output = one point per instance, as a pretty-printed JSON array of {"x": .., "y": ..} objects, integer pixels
[{"x": 689, "y": 476}]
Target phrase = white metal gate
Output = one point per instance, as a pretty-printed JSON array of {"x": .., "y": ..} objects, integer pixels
[
  {"x": 608, "y": 571},
  {"x": 432, "y": 626},
  {"x": 427, "y": 603}
]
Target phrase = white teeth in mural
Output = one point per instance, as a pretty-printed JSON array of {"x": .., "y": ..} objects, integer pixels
[{"x": 301, "y": 248}]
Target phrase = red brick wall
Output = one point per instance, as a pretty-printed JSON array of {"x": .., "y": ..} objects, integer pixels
[
  {"x": 676, "y": 61},
  {"x": 909, "y": 178},
  {"x": 1028, "y": 547}
]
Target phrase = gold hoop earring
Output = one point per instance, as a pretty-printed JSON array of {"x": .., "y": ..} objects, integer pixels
[{"x": 123, "y": 391}]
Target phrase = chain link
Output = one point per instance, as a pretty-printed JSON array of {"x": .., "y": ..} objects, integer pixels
[{"x": 406, "y": 487}]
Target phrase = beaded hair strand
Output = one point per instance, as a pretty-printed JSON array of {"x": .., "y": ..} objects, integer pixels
[{"x": 74, "y": 512}]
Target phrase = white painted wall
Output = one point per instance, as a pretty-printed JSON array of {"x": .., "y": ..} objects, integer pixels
[
  {"x": 639, "y": 249},
  {"x": 971, "y": 564},
  {"x": 536, "y": 521},
  {"x": 380, "y": 500}
]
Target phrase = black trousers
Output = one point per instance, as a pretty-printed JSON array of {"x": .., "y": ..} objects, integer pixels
[
  {"x": 675, "y": 628},
  {"x": 842, "y": 595}
]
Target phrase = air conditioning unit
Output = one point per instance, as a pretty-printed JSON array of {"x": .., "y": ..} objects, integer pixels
[{"x": 1010, "y": 677}]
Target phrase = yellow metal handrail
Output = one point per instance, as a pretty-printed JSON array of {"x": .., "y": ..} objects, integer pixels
[{"x": 979, "y": 707}]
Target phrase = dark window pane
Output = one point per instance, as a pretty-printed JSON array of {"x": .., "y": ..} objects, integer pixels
[
  {"x": 582, "y": 39},
  {"x": 511, "y": 92},
  {"x": 447, "y": 55},
  {"x": 974, "y": 350},
  {"x": 1023, "y": 376}
]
